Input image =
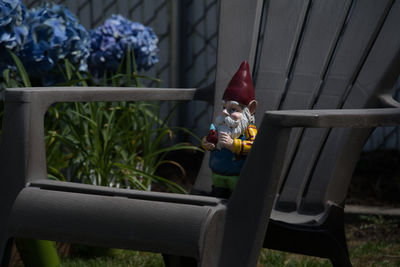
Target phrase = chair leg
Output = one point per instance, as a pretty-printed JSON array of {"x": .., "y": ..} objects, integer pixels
[
  {"x": 326, "y": 241},
  {"x": 5, "y": 251},
  {"x": 341, "y": 257}
]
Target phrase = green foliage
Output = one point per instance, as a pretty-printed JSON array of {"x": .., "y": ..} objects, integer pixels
[
  {"x": 13, "y": 78},
  {"x": 113, "y": 144},
  {"x": 103, "y": 143},
  {"x": 374, "y": 241},
  {"x": 376, "y": 253},
  {"x": 22, "y": 72},
  {"x": 278, "y": 258}
]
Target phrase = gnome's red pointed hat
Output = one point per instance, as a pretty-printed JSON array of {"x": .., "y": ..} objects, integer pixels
[{"x": 240, "y": 88}]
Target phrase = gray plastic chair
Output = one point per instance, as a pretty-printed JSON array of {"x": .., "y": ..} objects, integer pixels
[
  {"x": 327, "y": 54},
  {"x": 321, "y": 54}
]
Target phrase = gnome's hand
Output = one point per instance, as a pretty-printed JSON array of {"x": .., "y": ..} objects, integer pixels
[
  {"x": 207, "y": 145},
  {"x": 226, "y": 140}
]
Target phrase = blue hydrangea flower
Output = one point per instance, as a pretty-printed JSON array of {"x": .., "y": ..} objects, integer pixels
[
  {"x": 54, "y": 35},
  {"x": 12, "y": 29},
  {"x": 110, "y": 42}
]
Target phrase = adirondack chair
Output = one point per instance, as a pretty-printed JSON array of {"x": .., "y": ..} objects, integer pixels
[
  {"x": 333, "y": 54},
  {"x": 317, "y": 64}
]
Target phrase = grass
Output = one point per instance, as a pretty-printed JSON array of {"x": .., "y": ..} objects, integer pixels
[
  {"x": 376, "y": 254},
  {"x": 125, "y": 259},
  {"x": 374, "y": 241}
]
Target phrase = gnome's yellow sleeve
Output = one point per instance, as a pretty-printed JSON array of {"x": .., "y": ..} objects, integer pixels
[
  {"x": 202, "y": 143},
  {"x": 242, "y": 147}
]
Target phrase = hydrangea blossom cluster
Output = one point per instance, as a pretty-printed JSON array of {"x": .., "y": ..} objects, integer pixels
[
  {"x": 43, "y": 37},
  {"x": 12, "y": 29},
  {"x": 54, "y": 34},
  {"x": 110, "y": 42}
]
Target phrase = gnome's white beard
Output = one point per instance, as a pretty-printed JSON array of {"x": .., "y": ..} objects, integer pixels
[{"x": 232, "y": 127}]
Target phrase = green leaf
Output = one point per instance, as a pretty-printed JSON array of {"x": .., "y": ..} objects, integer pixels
[
  {"x": 135, "y": 71},
  {"x": 6, "y": 76},
  {"x": 69, "y": 68},
  {"x": 174, "y": 163},
  {"x": 148, "y": 78},
  {"x": 129, "y": 65},
  {"x": 139, "y": 185},
  {"x": 81, "y": 79},
  {"x": 21, "y": 70},
  {"x": 87, "y": 118},
  {"x": 171, "y": 185},
  {"x": 172, "y": 148},
  {"x": 54, "y": 174}
]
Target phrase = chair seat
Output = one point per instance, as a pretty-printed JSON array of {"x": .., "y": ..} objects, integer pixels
[
  {"x": 295, "y": 217},
  {"x": 129, "y": 224},
  {"x": 122, "y": 192}
]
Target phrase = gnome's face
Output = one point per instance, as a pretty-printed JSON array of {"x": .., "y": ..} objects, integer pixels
[{"x": 234, "y": 119}]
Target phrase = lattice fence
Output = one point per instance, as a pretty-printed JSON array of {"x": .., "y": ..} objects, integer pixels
[
  {"x": 199, "y": 43},
  {"x": 155, "y": 14},
  {"x": 386, "y": 137}
]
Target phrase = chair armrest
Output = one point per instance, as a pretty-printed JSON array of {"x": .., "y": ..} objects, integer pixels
[
  {"x": 341, "y": 118},
  {"x": 50, "y": 95}
]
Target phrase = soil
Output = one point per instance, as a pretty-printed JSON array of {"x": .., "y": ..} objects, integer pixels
[
  {"x": 376, "y": 179},
  {"x": 374, "y": 228}
]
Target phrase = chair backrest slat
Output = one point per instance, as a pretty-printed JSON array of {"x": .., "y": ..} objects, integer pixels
[
  {"x": 273, "y": 74},
  {"x": 316, "y": 49},
  {"x": 355, "y": 45},
  {"x": 377, "y": 75},
  {"x": 280, "y": 45}
]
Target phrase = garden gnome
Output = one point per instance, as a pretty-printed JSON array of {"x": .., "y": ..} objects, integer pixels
[{"x": 232, "y": 135}]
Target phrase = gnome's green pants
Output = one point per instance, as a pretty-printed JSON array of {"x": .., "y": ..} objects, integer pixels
[{"x": 224, "y": 181}]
